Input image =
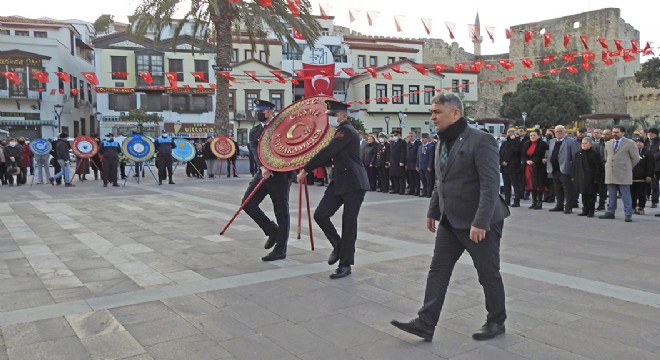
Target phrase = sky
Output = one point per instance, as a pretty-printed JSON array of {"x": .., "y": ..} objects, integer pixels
[{"x": 499, "y": 14}]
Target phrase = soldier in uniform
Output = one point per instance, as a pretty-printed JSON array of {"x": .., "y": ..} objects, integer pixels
[
  {"x": 425, "y": 159},
  {"x": 164, "y": 147},
  {"x": 397, "y": 163},
  {"x": 347, "y": 188},
  {"x": 383, "y": 163},
  {"x": 110, "y": 149},
  {"x": 276, "y": 186}
]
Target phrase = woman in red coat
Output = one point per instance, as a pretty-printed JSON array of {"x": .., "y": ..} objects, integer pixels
[
  {"x": 25, "y": 162},
  {"x": 536, "y": 176}
]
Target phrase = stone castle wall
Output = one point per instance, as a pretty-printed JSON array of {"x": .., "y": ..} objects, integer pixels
[{"x": 642, "y": 103}]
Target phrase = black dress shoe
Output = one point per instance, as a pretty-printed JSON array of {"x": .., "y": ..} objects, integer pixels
[
  {"x": 415, "y": 327},
  {"x": 600, "y": 208},
  {"x": 334, "y": 256},
  {"x": 488, "y": 331},
  {"x": 342, "y": 271},
  {"x": 538, "y": 206},
  {"x": 515, "y": 205},
  {"x": 273, "y": 256},
  {"x": 556, "y": 209},
  {"x": 270, "y": 242},
  {"x": 583, "y": 213},
  {"x": 171, "y": 182},
  {"x": 115, "y": 185},
  {"x": 607, "y": 216}
]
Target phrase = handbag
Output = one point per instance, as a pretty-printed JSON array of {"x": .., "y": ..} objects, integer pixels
[{"x": 13, "y": 169}]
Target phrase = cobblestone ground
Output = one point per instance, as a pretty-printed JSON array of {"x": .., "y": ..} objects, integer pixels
[{"x": 140, "y": 272}]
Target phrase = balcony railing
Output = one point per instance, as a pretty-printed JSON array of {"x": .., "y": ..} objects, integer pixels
[
  {"x": 30, "y": 94},
  {"x": 23, "y": 122}
]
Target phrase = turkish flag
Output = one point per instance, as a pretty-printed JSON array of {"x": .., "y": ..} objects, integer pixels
[
  {"x": 293, "y": 7},
  {"x": 297, "y": 35},
  {"x": 491, "y": 33},
  {"x": 508, "y": 33},
  {"x": 603, "y": 43},
  {"x": 199, "y": 75},
  {"x": 439, "y": 67},
  {"x": 528, "y": 36},
  {"x": 387, "y": 75},
  {"x": 397, "y": 69},
  {"x": 12, "y": 76},
  {"x": 252, "y": 74},
  {"x": 63, "y": 76},
  {"x": 585, "y": 40},
  {"x": 527, "y": 62},
  {"x": 42, "y": 77},
  {"x": 348, "y": 71},
  {"x": 371, "y": 70},
  {"x": 120, "y": 74},
  {"x": 547, "y": 37},
  {"x": 422, "y": 70},
  {"x": 567, "y": 39},
  {"x": 91, "y": 77},
  {"x": 569, "y": 57},
  {"x": 617, "y": 42},
  {"x": 146, "y": 76},
  {"x": 171, "y": 77},
  {"x": 266, "y": 2},
  {"x": 606, "y": 59},
  {"x": 278, "y": 75},
  {"x": 75, "y": 92},
  {"x": 548, "y": 58},
  {"x": 571, "y": 69},
  {"x": 489, "y": 66},
  {"x": 316, "y": 80}
]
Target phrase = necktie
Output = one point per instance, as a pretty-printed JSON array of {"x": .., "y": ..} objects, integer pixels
[
  {"x": 616, "y": 145},
  {"x": 443, "y": 156}
]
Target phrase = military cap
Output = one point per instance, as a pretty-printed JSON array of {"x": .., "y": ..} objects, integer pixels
[
  {"x": 163, "y": 131},
  {"x": 263, "y": 105},
  {"x": 639, "y": 139},
  {"x": 335, "y": 106}
]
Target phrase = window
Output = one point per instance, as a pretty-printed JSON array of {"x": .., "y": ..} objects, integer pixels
[
  {"x": 242, "y": 136},
  {"x": 120, "y": 102},
  {"x": 232, "y": 100},
  {"x": 429, "y": 92},
  {"x": 203, "y": 67},
  {"x": 153, "y": 102},
  {"x": 417, "y": 131},
  {"x": 34, "y": 83},
  {"x": 74, "y": 85},
  {"x": 250, "y": 97},
  {"x": 397, "y": 91},
  {"x": 291, "y": 53},
  {"x": 249, "y": 54},
  {"x": 277, "y": 98},
  {"x": 454, "y": 85},
  {"x": 234, "y": 55},
  {"x": 21, "y": 33},
  {"x": 152, "y": 64},
  {"x": 338, "y": 53},
  {"x": 376, "y": 131},
  {"x": 176, "y": 65},
  {"x": 118, "y": 64},
  {"x": 466, "y": 86},
  {"x": 361, "y": 61},
  {"x": 4, "y": 32},
  {"x": 381, "y": 92},
  {"x": 200, "y": 103},
  {"x": 60, "y": 85},
  {"x": 82, "y": 90},
  {"x": 413, "y": 97},
  {"x": 391, "y": 60},
  {"x": 367, "y": 93},
  {"x": 179, "y": 103},
  {"x": 262, "y": 56},
  {"x": 373, "y": 61},
  {"x": 40, "y": 34},
  {"x": 403, "y": 58}
]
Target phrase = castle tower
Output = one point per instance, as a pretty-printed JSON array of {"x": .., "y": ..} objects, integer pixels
[{"x": 477, "y": 39}]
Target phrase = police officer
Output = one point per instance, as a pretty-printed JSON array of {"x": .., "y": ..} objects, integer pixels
[
  {"x": 110, "y": 149},
  {"x": 164, "y": 147},
  {"x": 276, "y": 186},
  {"x": 347, "y": 188}
]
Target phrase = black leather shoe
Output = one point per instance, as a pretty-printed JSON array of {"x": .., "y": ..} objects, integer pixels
[
  {"x": 334, "y": 256},
  {"x": 538, "y": 206},
  {"x": 583, "y": 213},
  {"x": 515, "y": 205},
  {"x": 607, "y": 216},
  {"x": 273, "y": 256},
  {"x": 270, "y": 242},
  {"x": 415, "y": 327},
  {"x": 556, "y": 209},
  {"x": 488, "y": 331},
  {"x": 600, "y": 208},
  {"x": 568, "y": 211},
  {"x": 115, "y": 185},
  {"x": 171, "y": 182},
  {"x": 342, "y": 271}
]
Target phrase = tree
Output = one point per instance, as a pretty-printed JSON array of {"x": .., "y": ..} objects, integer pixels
[
  {"x": 547, "y": 102},
  {"x": 649, "y": 74},
  {"x": 140, "y": 116},
  {"x": 102, "y": 24},
  {"x": 217, "y": 18}
]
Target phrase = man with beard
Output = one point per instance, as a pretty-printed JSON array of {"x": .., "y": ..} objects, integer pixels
[{"x": 276, "y": 186}]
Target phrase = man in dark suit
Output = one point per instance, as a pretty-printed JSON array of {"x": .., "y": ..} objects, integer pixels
[
  {"x": 425, "y": 160},
  {"x": 559, "y": 162},
  {"x": 412, "y": 175},
  {"x": 511, "y": 168},
  {"x": 276, "y": 186},
  {"x": 398, "y": 163},
  {"x": 347, "y": 188},
  {"x": 466, "y": 201}
]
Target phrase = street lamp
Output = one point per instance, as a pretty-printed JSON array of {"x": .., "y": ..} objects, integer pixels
[
  {"x": 58, "y": 113},
  {"x": 524, "y": 116},
  {"x": 387, "y": 123}
]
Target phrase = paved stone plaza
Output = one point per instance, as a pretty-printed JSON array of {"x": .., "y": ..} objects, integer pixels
[{"x": 141, "y": 273}]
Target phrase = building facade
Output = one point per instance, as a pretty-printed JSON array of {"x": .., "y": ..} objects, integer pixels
[{"x": 33, "y": 108}]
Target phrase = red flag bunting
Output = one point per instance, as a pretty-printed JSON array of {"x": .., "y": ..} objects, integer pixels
[
  {"x": 603, "y": 43},
  {"x": 61, "y": 91},
  {"x": 352, "y": 13},
  {"x": 528, "y": 36},
  {"x": 527, "y": 62},
  {"x": 473, "y": 30},
  {"x": 422, "y": 70},
  {"x": 460, "y": 66},
  {"x": 278, "y": 74},
  {"x": 265, "y": 2},
  {"x": 52, "y": 92},
  {"x": 585, "y": 40},
  {"x": 547, "y": 37},
  {"x": 627, "y": 57},
  {"x": 348, "y": 71},
  {"x": 427, "y": 25},
  {"x": 225, "y": 74},
  {"x": 587, "y": 56},
  {"x": 510, "y": 78},
  {"x": 90, "y": 77},
  {"x": 604, "y": 57},
  {"x": 506, "y": 64},
  {"x": 295, "y": 82},
  {"x": 371, "y": 70},
  {"x": 490, "y": 30},
  {"x": 439, "y": 67},
  {"x": 554, "y": 71},
  {"x": 63, "y": 76},
  {"x": 42, "y": 77},
  {"x": 317, "y": 81},
  {"x": 489, "y": 66},
  {"x": 146, "y": 76},
  {"x": 120, "y": 74},
  {"x": 548, "y": 58},
  {"x": 199, "y": 76},
  {"x": 371, "y": 17},
  {"x": 635, "y": 45},
  {"x": 572, "y": 69},
  {"x": 171, "y": 77},
  {"x": 213, "y": 86},
  {"x": 234, "y": 1},
  {"x": 398, "y": 22},
  {"x": 508, "y": 33},
  {"x": 569, "y": 57},
  {"x": 75, "y": 92},
  {"x": 524, "y": 77},
  {"x": 567, "y": 39},
  {"x": 397, "y": 69},
  {"x": 293, "y": 7},
  {"x": 387, "y": 75},
  {"x": 12, "y": 76},
  {"x": 537, "y": 74},
  {"x": 187, "y": 87},
  {"x": 297, "y": 35},
  {"x": 587, "y": 65},
  {"x": 252, "y": 74},
  {"x": 615, "y": 53},
  {"x": 450, "y": 27},
  {"x": 617, "y": 42}
]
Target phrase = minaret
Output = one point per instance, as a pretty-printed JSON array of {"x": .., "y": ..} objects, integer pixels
[{"x": 477, "y": 31}]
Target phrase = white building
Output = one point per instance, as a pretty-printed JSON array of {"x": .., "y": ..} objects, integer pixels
[{"x": 34, "y": 109}]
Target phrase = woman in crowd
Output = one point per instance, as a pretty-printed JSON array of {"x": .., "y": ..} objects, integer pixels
[
  {"x": 383, "y": 163},
  {"x": 13, "y": 153},
  {"x": 25, "y": 163},
  {"x": 369, "y": 160},
  {"x": 536, "y": 176},
  {"x": 587, "y": 173}
]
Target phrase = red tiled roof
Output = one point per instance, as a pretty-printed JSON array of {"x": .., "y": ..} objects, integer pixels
[
  {"x": 380, "y": 47},
  {"x": 24, "y": 20}
]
